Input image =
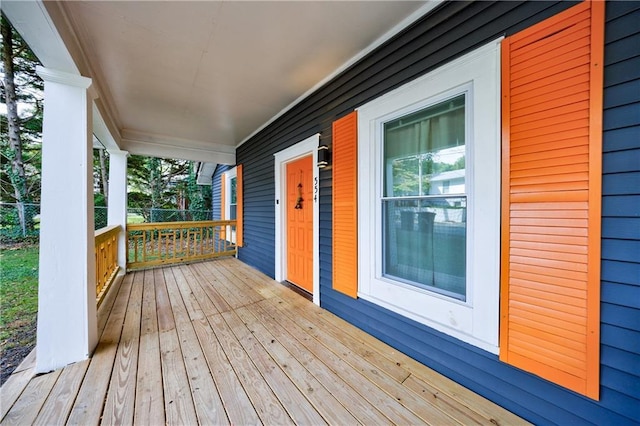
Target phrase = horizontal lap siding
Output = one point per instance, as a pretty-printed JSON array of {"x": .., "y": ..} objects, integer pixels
[
  {"x": 620, "y": 291},
  {"x": 448, "y": 32},
  {"x": 216, "y": 191}
]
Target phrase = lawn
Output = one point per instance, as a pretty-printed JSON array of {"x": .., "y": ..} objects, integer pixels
[{"x": 18, "y": 304}]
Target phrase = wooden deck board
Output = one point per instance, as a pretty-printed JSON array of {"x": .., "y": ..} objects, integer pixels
[
  {"x": 206, "y": 399},
  {"x": 220, "y": 343},
  {"x": 364, "y": 411},
  {"x": 13, "y": 388},
  {"x": 26, "y": 408},
  {"x": 445, "y": 387},
  {"x": 299, "y": 408},
  {"x": 149, "y": 401},
  {"x": 120, "y": 402},
  {"x": 178, "y": 403},
  {"x": 245, "y": 277},
  {"x": 163, "y": 304},
  {"x": 235, "y": 399},
  {"x": 227, "y": 289},
  {"x": 194, "y": 297},
  {"x": 58, "y": 405},
  {"x": 323, "y": 400},
  {"x": 408, "y": 399},
  {"x": 342, "y": 367},
  {"x": 206, "y": 284},
  {"x": 27, "y": 363},
  {"x": 89, "y": 403},
  {"x": 262, "y": 396}
]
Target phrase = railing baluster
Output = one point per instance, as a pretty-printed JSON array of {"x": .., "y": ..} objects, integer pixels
[
  {"x": 106, "y": 254},
  {"x": 164, "y": 243},
  {"x": 144, "y": 246},
  {"x": 173, "y": 239}
]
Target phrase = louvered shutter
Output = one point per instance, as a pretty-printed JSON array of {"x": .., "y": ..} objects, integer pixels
[
  {"x": 345, "y": 205},
  {"x": 552, "y": 130}
]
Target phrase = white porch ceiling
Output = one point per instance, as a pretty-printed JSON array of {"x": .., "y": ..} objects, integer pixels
[{"x": 194, "y": 79}]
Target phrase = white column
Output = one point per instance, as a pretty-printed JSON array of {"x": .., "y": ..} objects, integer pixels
[
  {"x": 67, "y": 323},
  {"x": 117, "y": 212}
]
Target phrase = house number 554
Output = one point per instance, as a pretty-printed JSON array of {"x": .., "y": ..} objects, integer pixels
[{"x": 315, "y": 189}]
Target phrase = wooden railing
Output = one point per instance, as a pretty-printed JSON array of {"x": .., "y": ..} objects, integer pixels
[
  {"x": 106, "y": 240},
  {"x": 164, "y": 243}
]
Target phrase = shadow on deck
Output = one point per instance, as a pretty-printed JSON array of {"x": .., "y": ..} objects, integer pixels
[{"x": 220, "y": 343}]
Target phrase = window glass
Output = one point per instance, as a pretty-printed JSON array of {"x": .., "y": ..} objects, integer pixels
[
  {"x": 424, "y": 198},
  {"x": 233, "y": 203}
]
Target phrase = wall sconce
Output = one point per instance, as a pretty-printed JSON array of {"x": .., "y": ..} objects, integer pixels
[{"x": 323, "y": 156}]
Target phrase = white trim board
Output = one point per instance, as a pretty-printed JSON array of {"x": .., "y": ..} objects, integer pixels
[{"x": 306, "y": 147}]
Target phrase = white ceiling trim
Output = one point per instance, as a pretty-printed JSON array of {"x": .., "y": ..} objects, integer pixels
[
  {"x": 426, "y": 8},
  {"x": 170, "y": 147},
  {"x": 101, "y": 131}
]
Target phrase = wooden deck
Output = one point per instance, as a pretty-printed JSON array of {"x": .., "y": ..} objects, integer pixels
[{"x": 220, "y": 343}]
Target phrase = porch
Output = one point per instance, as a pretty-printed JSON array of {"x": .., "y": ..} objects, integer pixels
[{"x": 218, "y": 342}]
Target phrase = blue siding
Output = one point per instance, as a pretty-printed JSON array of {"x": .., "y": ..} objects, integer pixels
[
  {"x": 448, "y": 32},
  {"x": 216, "y": 188}
]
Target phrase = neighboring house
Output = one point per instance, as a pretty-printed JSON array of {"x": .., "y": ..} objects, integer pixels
[
  {"x": 531, "y": 296},
  {"x": 451, "y": 182}
]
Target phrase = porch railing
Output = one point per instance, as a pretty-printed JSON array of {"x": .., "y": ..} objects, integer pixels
[
  {"x": 106, "y": 241},
  {"x": 165, "y": 243}
]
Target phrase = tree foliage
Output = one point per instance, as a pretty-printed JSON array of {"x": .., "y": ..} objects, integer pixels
[
  {"x": 157, "y": 178},
  {"x": 21, "y": 91},
  {"x": 160, "y": 183},
  {"x": 199, "y": 196}
]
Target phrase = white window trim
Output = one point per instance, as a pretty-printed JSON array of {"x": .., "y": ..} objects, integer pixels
[
  {"x": 474, "y": 321},
  {"x": 306, "y": 147},
  {"x": 227, "y": 176}
]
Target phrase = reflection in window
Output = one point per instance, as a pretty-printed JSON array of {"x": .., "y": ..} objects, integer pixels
[
  {"x": 424, "y": 198},
  {"x": 233, "y": 201}
]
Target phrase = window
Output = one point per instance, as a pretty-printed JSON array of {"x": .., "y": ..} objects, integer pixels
[
  {"x": 429, "y": 200},
  {"x": 418, "y": 149},
  {"x": 233, "y": 198},
  {"x": 230, "y": 202}
]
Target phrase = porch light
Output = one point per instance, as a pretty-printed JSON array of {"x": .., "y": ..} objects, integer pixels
[{"x": 323, "y": 156}]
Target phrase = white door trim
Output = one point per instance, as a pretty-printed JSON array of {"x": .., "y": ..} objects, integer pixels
[{"x": 306, "y": 147}]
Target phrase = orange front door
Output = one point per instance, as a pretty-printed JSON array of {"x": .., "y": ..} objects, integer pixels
[{"x": 299, "y": 204}]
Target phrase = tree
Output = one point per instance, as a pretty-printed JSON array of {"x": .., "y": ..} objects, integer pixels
[
  {"x": 156, "y": 184},
  {"x": 199, "y": 196},
  {"x": 104, "y": 180},
  {"x": 21, "y": 90}
]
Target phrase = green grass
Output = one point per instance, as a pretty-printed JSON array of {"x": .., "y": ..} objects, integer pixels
[
  {"x": 134, "y": 218},
  {"x": 18, "y": 292}
]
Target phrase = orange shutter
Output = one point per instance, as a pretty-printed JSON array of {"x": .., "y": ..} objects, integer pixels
[
  {"x": 551, "y": 196},
  {"x": 239, "y": 206},
  {"x": 345, "y": 205},
  {"x": 223, "y": 196}
]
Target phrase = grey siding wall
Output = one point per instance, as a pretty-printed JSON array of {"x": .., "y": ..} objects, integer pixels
[{"x": 448, "y": 32}]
